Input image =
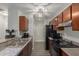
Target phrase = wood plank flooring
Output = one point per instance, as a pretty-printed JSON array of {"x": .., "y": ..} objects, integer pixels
[{"x": 39, "y": 49}]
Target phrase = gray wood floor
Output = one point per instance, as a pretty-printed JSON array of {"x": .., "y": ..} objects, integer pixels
[{"x": 39, "y": 49}]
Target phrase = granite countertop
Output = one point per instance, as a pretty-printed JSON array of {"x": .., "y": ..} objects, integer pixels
[
  {"x": 10, "y": 51},
  {"x": 13, "y": 50},
  {"x": 4, "y": 40},
  {"x": 71, "y": 51}
]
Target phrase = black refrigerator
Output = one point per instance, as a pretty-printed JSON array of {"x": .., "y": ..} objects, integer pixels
[{"x": 48, "y": 31}]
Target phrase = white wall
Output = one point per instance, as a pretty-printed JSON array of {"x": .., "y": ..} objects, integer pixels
[
  {"x": 3, "y": 25},
  {"x": 30, "y": 24},
  {"x": 39, "y": 28},
  {"x": 13, "y": 19},
  {"x": 74, "y": 35},
  {"x": 39, "y": 32}
]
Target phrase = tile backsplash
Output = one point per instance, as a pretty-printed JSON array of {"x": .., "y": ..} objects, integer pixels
[{"x": 73, "y": 34}]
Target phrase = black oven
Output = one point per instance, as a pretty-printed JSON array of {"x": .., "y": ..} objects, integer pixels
[{"x": 56, "y": 48}]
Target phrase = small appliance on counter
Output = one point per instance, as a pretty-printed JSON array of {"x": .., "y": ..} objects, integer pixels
[
  {"x": 25, "y": 35},
  {"x": 10, "y": 33}
]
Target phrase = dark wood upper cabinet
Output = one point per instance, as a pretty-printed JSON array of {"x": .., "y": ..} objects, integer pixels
[
  {"x": 67, "y": 14},
  {"x": 51, "y": 22},
  {"x": 23, "y": 23},
  {"x": 75, "y": 16},
  {"x": 60, "y": 18},
  {"x": 55, "y": 21}
]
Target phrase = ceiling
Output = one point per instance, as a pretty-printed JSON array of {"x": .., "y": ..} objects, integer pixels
[
  {"x": 4, "y": 6},
  {"x": 48, "y": 10},
  {"x": 44, "y": 11}
]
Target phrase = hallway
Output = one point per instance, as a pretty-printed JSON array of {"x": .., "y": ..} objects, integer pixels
[{"x": 39, "y": 49}]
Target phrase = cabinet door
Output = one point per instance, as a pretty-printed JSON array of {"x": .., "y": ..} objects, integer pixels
[
  {"x": 75, "y": 16},
  {"x": 55, "y": 22},
  {"x": 23, "y": 23},
  {"x": 60, "y": 18},
  {"x": 66, "y": 15},
  {"x": 51, "y": 47}
]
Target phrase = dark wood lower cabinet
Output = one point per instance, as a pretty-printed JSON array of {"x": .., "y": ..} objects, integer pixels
[
  {"x": 50, "y": 47},
  {"x": 21, "y": 53},
  {"x": 27, "y": 50},
  {"x": 63, "y": 53}
]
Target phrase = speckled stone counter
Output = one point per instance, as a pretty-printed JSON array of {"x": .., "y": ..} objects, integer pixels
[
  {"x": 13, "y": 50},
  {"x": 71, "y": 51},
  {"x": 4, "y": 40}
]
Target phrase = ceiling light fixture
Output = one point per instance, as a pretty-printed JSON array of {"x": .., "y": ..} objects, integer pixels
[
  {"x": 40, "y": 11},
  {"x": 40, "y": 7}
]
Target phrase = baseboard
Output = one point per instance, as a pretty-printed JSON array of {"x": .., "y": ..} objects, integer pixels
[{"x": 39, "y": 41}]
